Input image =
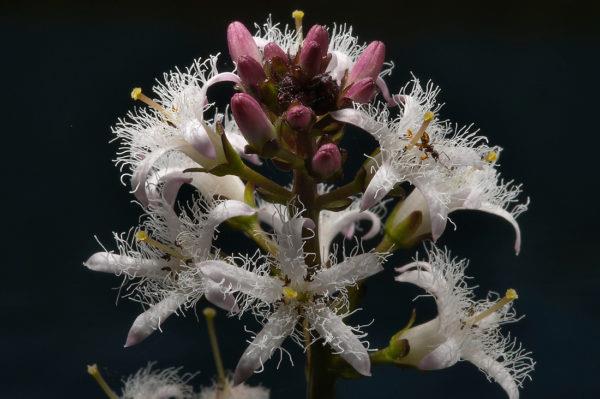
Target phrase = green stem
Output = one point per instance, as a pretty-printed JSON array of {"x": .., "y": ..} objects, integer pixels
[
  {"x": 253, "y": 176},
  {"x": 343, "y": 192}
]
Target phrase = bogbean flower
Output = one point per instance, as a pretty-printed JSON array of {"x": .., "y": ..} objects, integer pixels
[
  {"x": 286, "y": 297},
  {"x": 175, "y": 121},
  {"x": 240, "y": 391},
  {"x": 465, "y": 328},
  {"x": 450, "y": 169},
  {"x": 168, "y": 383},
  {"x": 165, "y": 249}
]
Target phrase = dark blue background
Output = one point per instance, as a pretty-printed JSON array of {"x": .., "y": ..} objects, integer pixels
[{"x": 526, "y": 74}]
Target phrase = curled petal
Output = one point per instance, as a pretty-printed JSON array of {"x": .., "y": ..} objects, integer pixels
[
  {"x": 347, "y": 273},
  {"x": 279, "y": 325},
  {"x": 497, "y": 372},
  {"x": 382, "y": 183},
  {"x": 359, "y": 119},
  {"x": 232, "y": 278},
  {"x": 171, "y": 183},
  {"x": 340, "y": 338},
  {"x": 108, "y": 262},
  {"x": 209, "y": 185},
  {"x": 385, "y": 92},
  {"x": 445, "y": 355},
  {"x": 223, "y": 211},
  {"x": 221, "y": 77},
  {"x": 147, "y": 322}
]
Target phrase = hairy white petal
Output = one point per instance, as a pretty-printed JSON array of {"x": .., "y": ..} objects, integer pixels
[
  {"x": 497, "y": 372},
  {"x": 347, "y": 273},
  {"x": 236, "y": 279},
  {"x": 340, "y": 337},
  {"x": 382, "y": 183},
  {"x": 280, "y": 324},
  {"x": 108, "y": 262},
  {"x": 445, "y": 355},
  {"x": 150, "y": 320}
]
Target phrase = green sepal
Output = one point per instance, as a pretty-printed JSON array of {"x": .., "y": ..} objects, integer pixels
[
  {"x": 338, "y": 205},
  {"x": 403, "y": 234}
]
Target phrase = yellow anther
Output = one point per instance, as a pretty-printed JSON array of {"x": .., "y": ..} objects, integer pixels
[
  {"x": 142, "y": 236},
  {"x": 136, "y": 93},
  {"x": 428, "y": 116},
  {"x": 298, "y": 15},
  {"x": 491, "y": 156},
  {"x": 209, "y": 313},
  {"x": 95, "y": 373},
  {"x": 290, "y": 293},
  {"x": 509, "y": 296}
]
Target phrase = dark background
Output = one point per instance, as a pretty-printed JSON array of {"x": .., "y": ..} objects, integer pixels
[{"x": 525, "y": 73}]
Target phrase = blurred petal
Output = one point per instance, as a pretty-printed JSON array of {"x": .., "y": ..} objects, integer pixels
[
  {"x": 496, "y": 371},
  {"x": 108, "y": 262}
]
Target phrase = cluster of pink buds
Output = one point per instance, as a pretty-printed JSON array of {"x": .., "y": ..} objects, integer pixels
[{"x": 286, "y": 98}]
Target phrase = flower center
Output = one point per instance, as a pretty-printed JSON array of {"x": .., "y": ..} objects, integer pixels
[{"x": 510, "y": 296}]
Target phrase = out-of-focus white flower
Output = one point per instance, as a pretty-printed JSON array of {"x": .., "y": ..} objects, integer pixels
[
  {"x": 166, "y": 250},
  {"x": 451, "y": 169},
  {"x": 465, "y": 328},
  {"x": 147, "y": 383},
  {"x": 283, "y": 299},
  {"x": 240, "y": 391}
]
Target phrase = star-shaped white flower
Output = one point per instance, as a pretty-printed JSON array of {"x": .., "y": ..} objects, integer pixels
[
  {"x": 465, "y": 328},
  {"x": 284, "y": 298},
  {"x": 451, "y": 169},
  {"x": 168, "y": 249}
]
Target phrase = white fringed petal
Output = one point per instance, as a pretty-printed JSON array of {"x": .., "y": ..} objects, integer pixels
[
  {"x": 333, "y": 223},
  {"x": 290, "y": 255},
  {"x": 108, "y": 262},
  {"x": 347, "y": 273},
  {"x": 359, "y": 119},
  {"x": 232, "y": 279},
  {"x": 280, "y": 324},
  {"x": 382, "y": 183},
  {"x": 497, "y": 372},
  {"x": 215, "y": 295},
  {"x": 223, "y": 211},
  {"x": 209, "y": 185},
  {"x": 221, "y": 77},
  {"x": 150, "y": 320},
  {"x": 340, "y": 337}
]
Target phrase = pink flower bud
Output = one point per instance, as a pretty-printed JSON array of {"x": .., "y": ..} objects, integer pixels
[
  {"x": 327, "y": 160},
  {"x": 250, "y": 71},
  {"x": 299, "y": 117},
  {"x": 272, "y": 50},
  {"x": 310, "y": 58},
  {"x": 241, "y": 43},
  {"x": 251, "y": 119},
  {"x": 369, "y": 63},
  {"x": 362, "y": 91},
  {"x": 319, "y": 35}
]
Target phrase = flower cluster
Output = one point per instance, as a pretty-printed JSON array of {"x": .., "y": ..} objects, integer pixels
[{"x": 295, "y": 95}]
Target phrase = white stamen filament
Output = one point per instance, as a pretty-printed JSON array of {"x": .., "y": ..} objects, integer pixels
[
  {"x": 427, "y": 118},
  {"x": 298, "y": 15},
  {"x": 95, "y": 373}
]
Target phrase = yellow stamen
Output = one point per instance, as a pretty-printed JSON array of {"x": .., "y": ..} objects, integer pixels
[
  {"x": 95, "y": 373},
  {"x": 138, "y": 95},
  {"x": 290, "y": 293},
  {"x": 145, "y": 238},
  {"x": 491, "y": 156},
  {"x": 510, "y": 296},
  {"x": 298, "y": 15},
  {"x": 209, "y": 315},
  {"x": 427, "y": 118}
]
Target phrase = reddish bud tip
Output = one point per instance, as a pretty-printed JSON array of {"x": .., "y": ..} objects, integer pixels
[
  {"x": 272, "y": 50},
  {"x": 362, "y": 91},
  {"x": 319, "y": 35},
  {"x": 241, "y": 43},
  {"x": 327, "y": 160},
  {"x": 299, "y": 117},
  {"x": 310, "y": 58},
  {"x": 251, "y": 119},
  {"x": 250, "y": 71},
  {"x": 369, "y": 63}
]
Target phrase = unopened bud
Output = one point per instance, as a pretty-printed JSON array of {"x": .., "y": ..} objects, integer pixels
[
  {"x": 327, "y": 160},
  {"x": 299, "y": 117},
  {"x": 241, "y": 43},
  {"x": 310, "y": 58},
  {"x": 362, "y": 91},
  {"x": 319, "y": 35},
  {"x": 369, "y": 63},
  {"x": 252, "y": 121},
  {"x": 272, "y": 50},
  {"x": 251, "y": 71}
]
